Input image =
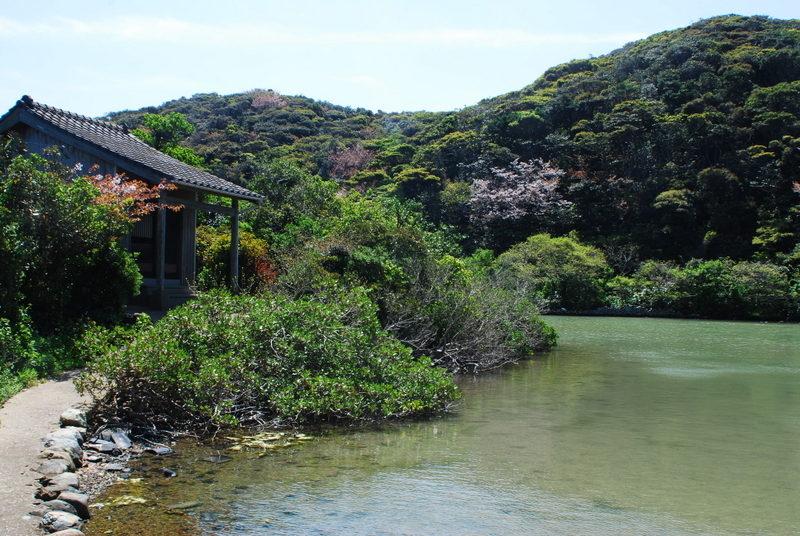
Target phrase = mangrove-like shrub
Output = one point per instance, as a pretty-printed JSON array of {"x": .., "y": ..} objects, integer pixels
[{"x": 225, "y": 359}]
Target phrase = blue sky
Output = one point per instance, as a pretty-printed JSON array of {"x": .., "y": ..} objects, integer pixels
[{"x": 94, "y": 57}]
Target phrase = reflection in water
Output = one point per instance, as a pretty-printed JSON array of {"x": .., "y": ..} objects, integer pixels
[{"x": 631, "y": 426}]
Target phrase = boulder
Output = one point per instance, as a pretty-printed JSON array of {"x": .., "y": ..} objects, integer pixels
[
  {"x": 64, "y": 479},
  {"x": 68, "y": 532},
  {"x": 59, "y": 505},
  {"x": 62, "y": 455},
  {"x": 64, "y": 443},
  {"x": 55, "y": 521},
  {"x": 73, "y": 417},
  {"x": 52, "y": 491},
  {"x": 54, "y": 467},
  {"x": 72, "y": 433},
  {"x": 80, "y": 501}
]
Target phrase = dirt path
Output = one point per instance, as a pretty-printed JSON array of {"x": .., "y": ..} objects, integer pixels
[{"x": 24, "y": 421}]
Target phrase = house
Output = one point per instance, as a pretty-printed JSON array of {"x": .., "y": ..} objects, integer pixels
[{"x": 165, "y": 240}]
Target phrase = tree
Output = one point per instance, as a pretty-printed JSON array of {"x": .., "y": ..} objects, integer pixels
[
  {"x": 557, "y": 272},
  {"x": 64, "y": 238},
  {"x": 165, "y": 132},
  {"x": 508, "y": 203}
]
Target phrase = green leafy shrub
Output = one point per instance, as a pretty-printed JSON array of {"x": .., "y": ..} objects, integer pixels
[
  {"x": 718, "y": 288},
  {"x": 225, "y": 359},
  {"x": 214, "y": 259},
  {"x": 454, "y": 313},
  {"x": 59, "y": 239},
  {"x": 557, "y": 272}
]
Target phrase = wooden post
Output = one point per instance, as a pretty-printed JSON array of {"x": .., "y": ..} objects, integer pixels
[
  {"x": 161, "y": 241},
  {"x": 235, "y": 245}
]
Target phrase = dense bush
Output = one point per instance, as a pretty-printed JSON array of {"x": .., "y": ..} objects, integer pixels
[
  {"x": 428, "y": 298},
  {"x": 245, "y": 360},
  {"x": 58, "y": 239},
  {"x": 214, "y": 260},
  {"x": 463, "y": 320},
  {"x": 556, "y": 272},
  {"x": 709, "y": 289}
]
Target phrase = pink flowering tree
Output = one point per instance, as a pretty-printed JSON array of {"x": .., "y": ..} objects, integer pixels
[{"x": 510, "y": 203}]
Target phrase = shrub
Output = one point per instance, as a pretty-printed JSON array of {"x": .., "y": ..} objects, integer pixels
[
  {"x": 763, "y": 289},
  {"x": 214, "y": 260},
  {"x": 455, "y": 314},
  {"x": 555, "y": 272},
  {"x": 225, "y": 359},
  {"x": 59, "y": 239},
  {"x": 709, "y": 289}
]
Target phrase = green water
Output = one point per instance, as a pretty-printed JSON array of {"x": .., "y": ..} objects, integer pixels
[{"x": 632, "y": 426}]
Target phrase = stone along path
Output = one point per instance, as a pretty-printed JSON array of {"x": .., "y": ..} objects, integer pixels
[{"x": 24, "y": 421}]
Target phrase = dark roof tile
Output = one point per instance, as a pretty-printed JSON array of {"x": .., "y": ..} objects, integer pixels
[{"x": 118, "y": 140}]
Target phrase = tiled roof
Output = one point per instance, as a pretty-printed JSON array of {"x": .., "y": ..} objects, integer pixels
[{"x": 118, "y": 140}]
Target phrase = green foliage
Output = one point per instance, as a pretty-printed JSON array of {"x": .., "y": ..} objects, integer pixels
[
  {"x": 221, "y": 360},
  {"x": 558, "y": 272},
  {"x": 213, "y": 259},
  {"x": 718, "y": 288},
  {"x": 166, "y": 132},
  {"x": 56, "y": 240}
]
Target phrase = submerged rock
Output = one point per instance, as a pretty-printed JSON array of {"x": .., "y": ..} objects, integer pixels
[
  {"x": 125, "y": 500},
  {"x": 169, "y": 473},
  {"x": 185, "y": 505},
  {"x": 217, "y": 458}
]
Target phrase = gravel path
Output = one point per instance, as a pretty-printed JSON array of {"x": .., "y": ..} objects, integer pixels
[{"x": 24, "y": 421}]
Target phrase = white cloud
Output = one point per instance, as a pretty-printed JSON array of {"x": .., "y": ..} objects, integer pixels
[{"x": 167, "y": 30}]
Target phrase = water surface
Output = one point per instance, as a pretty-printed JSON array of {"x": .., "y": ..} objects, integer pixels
[{"x": 632, "y": 426}]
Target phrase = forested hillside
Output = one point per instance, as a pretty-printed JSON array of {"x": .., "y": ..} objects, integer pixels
[{"x": 683, "y": 145}]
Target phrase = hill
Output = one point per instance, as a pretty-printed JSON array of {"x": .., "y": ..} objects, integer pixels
[{"x": 684, "y": 144}]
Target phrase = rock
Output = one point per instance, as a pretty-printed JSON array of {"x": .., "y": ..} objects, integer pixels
[
  {"x": 51, "y": 454},
  {"x": 52, "y": 491},
  {"x": 54, "y": 467},
  {"x": 169, "y": 473},
  {"x": 121, "y": 439},
  {"x": 64, "y": 479},
  {"x": 62, "y": 506},
  {"x": 159, "y": 450},
  {"x": 72, "y": 433},
  {"x": 217, "y": 458},
  {"x": 68, "y": 532},
  {"x": 64, "y": 443},
  {"x": 56, "y": 521},
  {"x": 184, "y": 505},
  {"x": 101, "y": 445},
  {"x": 73, "y": 417},
  {"x": 79, "y": 500},
  {"x": 114, "y": 467}
]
